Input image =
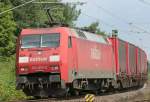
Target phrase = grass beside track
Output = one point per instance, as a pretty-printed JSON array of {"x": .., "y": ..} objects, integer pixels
[{"x": 7, "y": 80}]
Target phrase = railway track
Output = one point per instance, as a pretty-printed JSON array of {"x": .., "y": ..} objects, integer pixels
[
  {"x": 145, "y": 100},
  {"x": 131, "y": 95},
  {"x": 70, "y": 99},
  {"x": 81, "y": 98},
  {"x": 98, "y": 99}
]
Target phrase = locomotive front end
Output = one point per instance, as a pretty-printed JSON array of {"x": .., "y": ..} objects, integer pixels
[
  {"x": 38, "y": 63},
  {"x": 39, "y": 53}
]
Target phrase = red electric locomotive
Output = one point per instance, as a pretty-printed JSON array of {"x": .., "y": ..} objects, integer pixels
[{"x": 61, "y": 60}]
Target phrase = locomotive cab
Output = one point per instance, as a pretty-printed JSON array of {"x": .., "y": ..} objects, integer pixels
[
  {"x": 39, "y": 53},
  {"x": 39, "y": 60}
]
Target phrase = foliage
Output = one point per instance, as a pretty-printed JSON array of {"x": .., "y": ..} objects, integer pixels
[
  {"x": 94, "y": 27},
  {"x": 34, "y": 14},
  {"x": 6, "y": 2},
  {"x": 67, "y": 14},
  {"x": 7, "y": 29},
  {"x": 30, "y": 16},
  {"x": 7, "y": 80}
]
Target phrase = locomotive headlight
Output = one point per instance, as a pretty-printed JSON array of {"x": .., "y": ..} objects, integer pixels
[
  {"x": 23, "y": 59},
  {"x": 24, "y": 69},
  {"x": 54, "y": 67},
  {"x": 54, "y": 58}
]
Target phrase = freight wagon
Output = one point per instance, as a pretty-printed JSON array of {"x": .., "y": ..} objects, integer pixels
[
  {"x": 130, "y": 63},
  {"x": 60, "y": 61}
]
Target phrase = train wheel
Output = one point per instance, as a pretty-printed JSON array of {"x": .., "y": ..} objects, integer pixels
[
  {"x": 73, "y": 91},
  {"x": 68, "y": 92},
  {"x": 77, "y": 92},
  {"x": 96, "y": 92},
  {"x": 119, "y": 86},
  {"x": 37, "y": 97}
]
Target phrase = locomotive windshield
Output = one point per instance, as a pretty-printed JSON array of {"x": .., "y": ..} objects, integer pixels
[{"x": 44, "y": 40}]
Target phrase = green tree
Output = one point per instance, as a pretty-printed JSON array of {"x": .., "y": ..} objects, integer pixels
[
  {"x": 34, "y": 14},
  {"x": 94, "y": 27},
  {"x": 30, "y": 15},
  {"x": 7, "y": 28},
  {"x": 68, "y": 14}
]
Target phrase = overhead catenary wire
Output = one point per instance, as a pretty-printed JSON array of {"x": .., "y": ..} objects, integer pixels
[
  {"x": 16, "y": 7},
  {"x": 131, "y": 24},
  {"x": 121, "y": 19},
  {"x": 107, "y": 24},
  {"x": 71, "y": 3},
  {"x": 144, "y": 2},
  {"x": 79, "y": 3},
  {"x": 98, "y": 19},
  {"x": 107, "y": 11},
  {"x": 34, "y": 1}
]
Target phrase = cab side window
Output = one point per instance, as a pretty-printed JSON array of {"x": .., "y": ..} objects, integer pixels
[{"x": 69, "y": 42}]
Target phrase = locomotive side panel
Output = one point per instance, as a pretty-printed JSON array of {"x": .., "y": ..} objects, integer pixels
[
  {"x": 94, "y": 60},
  {"x": 72, "y": 59}
]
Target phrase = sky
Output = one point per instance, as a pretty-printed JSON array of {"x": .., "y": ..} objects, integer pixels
[{"x": 130, "y": 17}]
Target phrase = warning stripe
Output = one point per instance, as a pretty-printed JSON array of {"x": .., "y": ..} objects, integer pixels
[
  {"x": 89, "y": 98},
  {"x": 86, "y": 96}
]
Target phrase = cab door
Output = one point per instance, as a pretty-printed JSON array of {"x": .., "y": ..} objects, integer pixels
[{"x": 72, "y": 59}]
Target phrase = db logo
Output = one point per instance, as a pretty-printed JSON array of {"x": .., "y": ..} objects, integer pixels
[{"x": 95, "y": 53}]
